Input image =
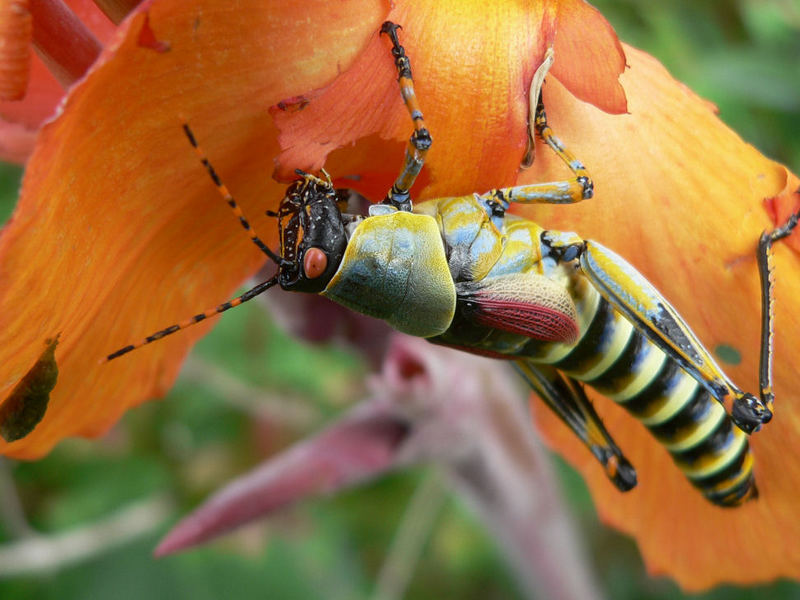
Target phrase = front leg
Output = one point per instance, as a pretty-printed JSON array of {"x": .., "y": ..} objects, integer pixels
[{"x": 420, "y": 141}]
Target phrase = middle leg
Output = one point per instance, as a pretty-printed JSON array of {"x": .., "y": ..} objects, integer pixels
[{"x": 556, "y": 192}]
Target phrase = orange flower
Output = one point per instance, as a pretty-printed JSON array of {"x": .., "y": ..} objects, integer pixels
[{"x": 118, "y": 231}]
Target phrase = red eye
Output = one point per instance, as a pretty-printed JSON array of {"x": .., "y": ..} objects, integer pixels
[{"x": 314, "y": 263}]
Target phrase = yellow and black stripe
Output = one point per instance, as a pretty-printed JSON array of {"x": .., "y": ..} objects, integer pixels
[{"x": 619, "y": 362}]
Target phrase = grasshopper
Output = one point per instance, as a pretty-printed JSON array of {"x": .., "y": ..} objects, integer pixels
[{"x": 463, "y": 272}]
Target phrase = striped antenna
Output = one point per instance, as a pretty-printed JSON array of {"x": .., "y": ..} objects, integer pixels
[
  {"x": 248, "y": 295},
  {"x": 228, "y": 197}
]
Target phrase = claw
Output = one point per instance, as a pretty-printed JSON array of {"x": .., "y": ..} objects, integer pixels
[
  {"x": 390, "y": 29},
  {"x": 618, "y": 469},
  {"x": 749, "y": 413}
]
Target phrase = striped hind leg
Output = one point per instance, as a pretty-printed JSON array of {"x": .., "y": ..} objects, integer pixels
[
  {"x": 566, "y": 398},
  {"x": 749, "y": 407}
]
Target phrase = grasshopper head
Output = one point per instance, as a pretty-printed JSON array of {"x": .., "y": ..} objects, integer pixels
[{"x": 312, "y": 234}]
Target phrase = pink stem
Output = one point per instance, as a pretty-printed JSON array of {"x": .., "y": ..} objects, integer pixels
[{"x": 62, "y": 41}]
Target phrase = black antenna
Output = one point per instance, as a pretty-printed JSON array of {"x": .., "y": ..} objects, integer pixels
[{"x": 249, "y": 294}]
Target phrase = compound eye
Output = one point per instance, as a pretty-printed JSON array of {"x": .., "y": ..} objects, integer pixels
[{"x": 315, "y": 262}]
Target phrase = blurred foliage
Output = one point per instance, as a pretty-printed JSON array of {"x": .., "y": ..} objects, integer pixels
[{"x": 742, "y": 55}]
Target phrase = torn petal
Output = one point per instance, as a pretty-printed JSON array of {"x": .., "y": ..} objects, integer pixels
[
  {"x": 781, "y": 206},
  {"x": 481, "y": 98},
  {"x": 589, "y": 56},
  {"x": 476, "y": 108}
]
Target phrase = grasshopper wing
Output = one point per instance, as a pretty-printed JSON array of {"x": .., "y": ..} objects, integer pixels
[{"x": 528, "y": 304}]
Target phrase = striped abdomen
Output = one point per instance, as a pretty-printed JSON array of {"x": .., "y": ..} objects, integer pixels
[{"x": 619, "y": 362}]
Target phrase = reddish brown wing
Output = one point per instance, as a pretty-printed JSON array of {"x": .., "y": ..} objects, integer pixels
[{"x": 526, "y": 304}]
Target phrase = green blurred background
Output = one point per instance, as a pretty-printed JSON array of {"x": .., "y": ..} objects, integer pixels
[{"x": 167, "y": 456}]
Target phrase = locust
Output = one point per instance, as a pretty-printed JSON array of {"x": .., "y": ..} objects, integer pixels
[{"x": 463, "y": 272}]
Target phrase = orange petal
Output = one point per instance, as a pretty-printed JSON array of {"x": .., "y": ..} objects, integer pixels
[
  {"x": 119, "y": 231},
  {"x": 589, "y": 56},
  {"x": 472, "y": 70},
  {"x": 682, "y": 197}
]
